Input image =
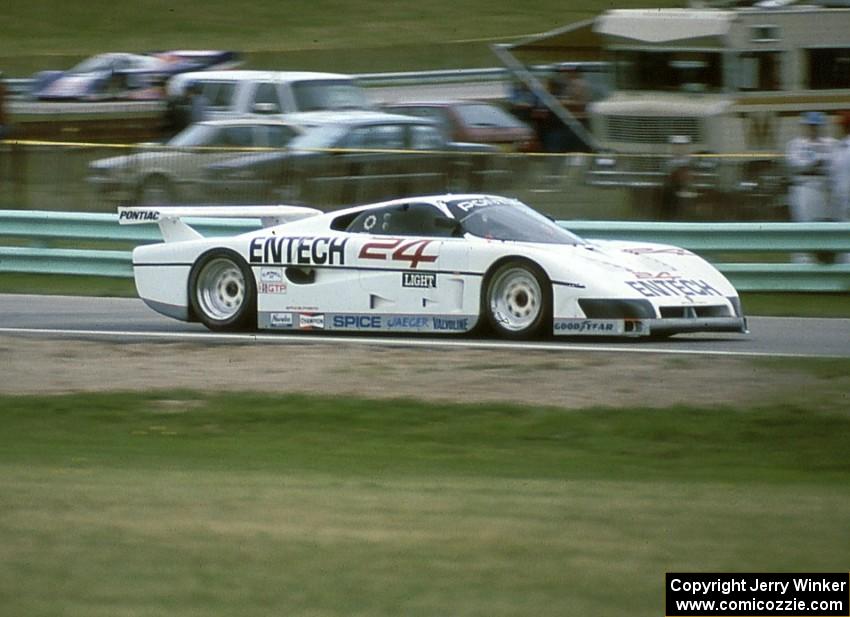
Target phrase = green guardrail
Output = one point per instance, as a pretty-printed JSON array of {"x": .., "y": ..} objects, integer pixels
[{"x": 28, "y": 234}]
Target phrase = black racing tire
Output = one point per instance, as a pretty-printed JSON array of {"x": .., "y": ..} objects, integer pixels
[
  {"x": 517, "y": 300},
  {"x": 223, "y": 292}
]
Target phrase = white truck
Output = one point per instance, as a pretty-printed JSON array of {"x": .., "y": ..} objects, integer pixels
[
  {"x": 240, "y": 94},
  {"x": 731, "y": 82}
]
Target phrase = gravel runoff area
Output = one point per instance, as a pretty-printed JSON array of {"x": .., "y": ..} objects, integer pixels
[{"x": 580, "y": 380}]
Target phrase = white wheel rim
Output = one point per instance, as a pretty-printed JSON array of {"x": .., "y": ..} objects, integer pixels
[
  {"x": 516, "y": 299},
  {"x": 220, "y": 289}
]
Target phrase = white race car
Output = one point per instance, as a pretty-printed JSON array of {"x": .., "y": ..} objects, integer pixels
[{"x": 437, "y": 264}]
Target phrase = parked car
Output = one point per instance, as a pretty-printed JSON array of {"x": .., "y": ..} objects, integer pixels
[
  {"x": 355, "y": 157},
  {"x": 124, "y": 75},
  {"x": 170, "y": 172},
  {"x": 472, "y": 121},
  {"x": 261, "y": 93}
]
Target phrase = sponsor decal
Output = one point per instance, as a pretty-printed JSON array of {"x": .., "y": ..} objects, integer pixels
[
  {"x": 272, "y": 288},
  {"x": 407, "y": 323},
  {"x": 411, "y": 252},
  {"x": 588, "y": 326},
  {"x": 649, "y": 250},
  {"x": 654, "y": 275},
  {"x": 297, "y": 251},
  {"x": 482, "y": 202},
  {"x": 357, "y": 322},
  {"x": 311, "y": 321},
  {"x": 368, "y": 322},
  {"x": 271, "y": 281},
  {"x": 281, "y": 320},
  {"x": 458, "y": 325},
  {"x": 138, "y": 215},
  {"x": 676, "y": 287},
  {"x": 271, "y": 275},
  {"x": 419, "y": 280},
  {"x": 370, "y": 221}
]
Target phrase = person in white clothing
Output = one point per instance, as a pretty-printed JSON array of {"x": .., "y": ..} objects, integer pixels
[
  {"x": 839, "y": 174},
  {"x": 839, "y": 177},
  {"x": 809, "y": 159}
]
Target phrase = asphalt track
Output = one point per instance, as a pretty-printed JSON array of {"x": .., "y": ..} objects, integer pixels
[{"x": 125, "y": 319}]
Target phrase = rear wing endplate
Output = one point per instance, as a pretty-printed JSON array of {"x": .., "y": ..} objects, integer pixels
[{"x": 175, "y": 229}]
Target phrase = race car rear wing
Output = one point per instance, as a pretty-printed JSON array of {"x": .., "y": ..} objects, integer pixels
[{"x": 174, "y": 229}]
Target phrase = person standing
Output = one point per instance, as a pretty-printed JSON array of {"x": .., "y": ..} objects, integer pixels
[
  {"x": 522, "y": 101},
  {"x": 198, "y": 104},
  {"x": 839, "y": 179},
  {"x": 677, "y": 178},
  {"x": 839, "y": 174},
  {"x": 809, "y": 158},
  {"x": 4, "y": 123}
]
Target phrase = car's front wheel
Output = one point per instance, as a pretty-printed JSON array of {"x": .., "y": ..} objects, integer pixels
[
  {"x": 517, "y": 300},
  {"x": 222, "y": 292}
]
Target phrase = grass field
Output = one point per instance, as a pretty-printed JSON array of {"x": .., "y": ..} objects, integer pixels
[
  {"x": 365, "y": 35},
  {"x": 196, "y": 504}
]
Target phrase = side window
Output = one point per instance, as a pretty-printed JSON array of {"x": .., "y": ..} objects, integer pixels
[
  {"x": 266, "y": 97},
  {"x": 436, "y": 114},
  {"x": 123, "y": 64},
  {"x": 239, "y": 136},
  {"x": 217, "y": 137},
  {"x": 276, "y": 136},
  {"x": 358, "y": 138},
  {"x": 423, "y": 137},
  {"x": 404, "y": 220},
  {"x": 760, "y": 71},
  {"x": 385, "y": 137},
  {"x": 829, "y": 68},
  {"x": 219, "y": 94}
]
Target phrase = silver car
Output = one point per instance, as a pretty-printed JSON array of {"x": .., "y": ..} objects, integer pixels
[{"x": 170, "y": 172}]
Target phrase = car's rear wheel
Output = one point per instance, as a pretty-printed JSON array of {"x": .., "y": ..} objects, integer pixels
[
  {"x": 222, "y": 292},
  {"x": 518, "y": 300}
]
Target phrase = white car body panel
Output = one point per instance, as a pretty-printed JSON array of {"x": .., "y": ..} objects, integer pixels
[{"x": 310, "y": 276}]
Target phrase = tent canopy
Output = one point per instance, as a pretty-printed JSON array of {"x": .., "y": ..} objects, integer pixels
[{"x": 576, "y": 42}]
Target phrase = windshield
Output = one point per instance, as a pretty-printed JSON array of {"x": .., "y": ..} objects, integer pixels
[
  {"x": 678, "y": 71},
  {"x": 115, "y": 62},
  {"x": 95, "y": 63},
  {"x": 487, "y": 115},
  {"x": 321, "y": 94},
  {"x": 498, "y": 218}
]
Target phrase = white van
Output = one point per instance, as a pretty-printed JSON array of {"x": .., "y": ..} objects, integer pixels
[{"x": 245, "y": 93}]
